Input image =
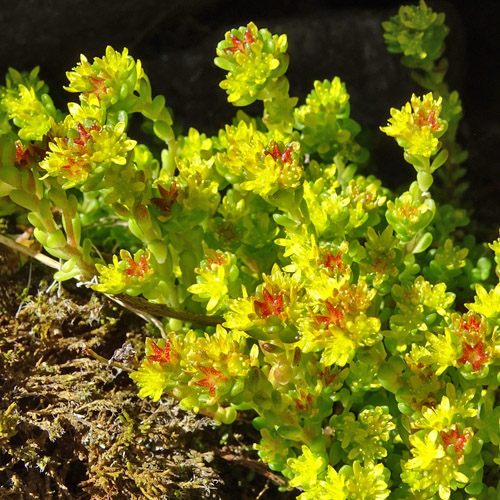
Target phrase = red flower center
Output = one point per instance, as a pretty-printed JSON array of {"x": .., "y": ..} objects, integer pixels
[
  {"x": 25, "y": 156},
  {"x": 84, "y": 135},
  {"x": 327, "y": 376},
  {"x": 241, "y": 45},
  {"x": 137, "y": 269},
  {"x": 217, "y": 260},
  {"x": 472, "y": 325},
  {"x": 76, "y": 166},
  {"x": 454, "y": 438},
  {"x": 407, "y": 210},
  {"x": 21, "y": 154},
  {"x": 168, "y": 197},
  {"x": 474, "y": 355},
  {"x": 271, "y": 306},
  {"x": 212, "y": 378},
  {"x": 333, "y": 261},
  {"x": 99, "y": 85},
  {"x": 335, "y": 316},
  {"x": 380, "y": 266},
  {"x": 160, "y": 355},
  {"x": 276, "y": 153},
  {"x": 303, "y": 402},
  {"x": 430, "y": 119}
]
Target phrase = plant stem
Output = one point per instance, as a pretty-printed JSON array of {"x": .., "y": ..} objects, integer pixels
[{"x": 137, "y": 305}]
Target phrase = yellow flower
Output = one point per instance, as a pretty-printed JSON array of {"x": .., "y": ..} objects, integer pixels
[
  {"x": 129, "y": 274},
  {"x": 252, "y": 58},
  {"x": 152, "y": 378},
  {"x": 107, "y": 79},
  {"x": 425, "y": 451},
  {"x": 214, "y": 277},
  {"x": 451, "y": 405},
  {"x": 417, "y": 126},
  {"x": 431, "y": 469},
  {"x": 260, "y": 163},
  {"x": 306, "y": 468},
  {"x": 486, "y": 303},
  {"x": 27, "y": 111},
  {"x": 85, "y": 149}
]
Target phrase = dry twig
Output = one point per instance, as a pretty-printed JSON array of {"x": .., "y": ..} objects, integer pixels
[{"x": 139, "y": 306}]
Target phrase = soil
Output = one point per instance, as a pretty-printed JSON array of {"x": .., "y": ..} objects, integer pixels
[{"x": 71, "y": 424}]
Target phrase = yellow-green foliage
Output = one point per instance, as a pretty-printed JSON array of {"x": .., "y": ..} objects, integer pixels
[{"x": 328, "y": 305}]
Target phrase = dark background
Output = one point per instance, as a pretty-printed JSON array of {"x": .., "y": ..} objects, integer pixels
[{"x": 176, "y": 40}]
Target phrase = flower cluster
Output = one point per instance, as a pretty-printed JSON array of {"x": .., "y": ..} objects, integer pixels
[
  {"x": 129, "y": 274},
  {"x": 252, "y": 58},
  {"x": 325, "y": 125},
  {"x": 107, "y": 80},
  {"x": 357, "y": 324},
  {"x": 351, "y": 483},
  {"x": 217, "y": 280},
  {"x": 417, "y": 126},
  {"x": 203, "y": 370},
  {"x": 418, "y": 33},
  {"x": 86, "y": 150},
  {"x": 258, "y": 163},
  {"x": 25, "y": 101}
]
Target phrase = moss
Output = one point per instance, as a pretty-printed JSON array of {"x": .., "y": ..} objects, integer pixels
[{"x": 72, "y": 427}]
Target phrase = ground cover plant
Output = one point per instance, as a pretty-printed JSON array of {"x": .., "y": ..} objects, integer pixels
[{"x": 356, "y": 325}]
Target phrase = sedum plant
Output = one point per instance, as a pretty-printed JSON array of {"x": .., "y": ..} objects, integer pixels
[{"x": 358, "y": 326}]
